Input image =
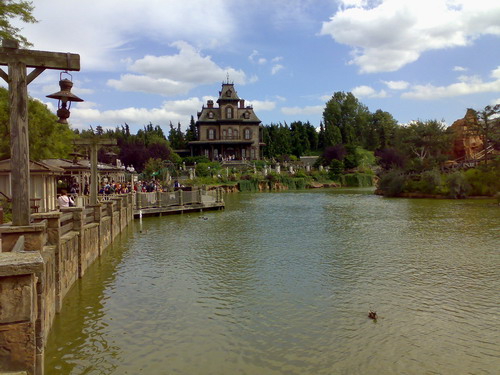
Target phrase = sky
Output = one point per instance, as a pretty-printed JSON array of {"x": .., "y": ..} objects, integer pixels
[{"x": 159, "y": 61}]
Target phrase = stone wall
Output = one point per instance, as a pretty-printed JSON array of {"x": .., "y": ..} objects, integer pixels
[{"x": 35, "y": 279}]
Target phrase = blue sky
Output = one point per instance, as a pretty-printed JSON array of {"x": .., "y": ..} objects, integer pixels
[{"x": 160, "y": 61}]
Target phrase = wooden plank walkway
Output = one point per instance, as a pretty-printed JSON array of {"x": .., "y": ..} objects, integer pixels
[
  {"x": 170, "y": 210},
  {"x": 166, "y": 203}
]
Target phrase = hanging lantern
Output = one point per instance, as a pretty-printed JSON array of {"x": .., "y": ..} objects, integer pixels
[{"x": 64, "y": 97}]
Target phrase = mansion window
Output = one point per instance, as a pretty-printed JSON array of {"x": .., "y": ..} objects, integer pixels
[
  {"x": 248, "y": 133},
  {"x": 230, "y": 133},
  {"x": 210, "y": 115},
  {"x": 229, "y": 112},
  {"x": 211, "y": 133}
]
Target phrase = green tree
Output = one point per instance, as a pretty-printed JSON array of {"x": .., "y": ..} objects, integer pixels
[
  {"x": 47, "y": 137},
  {"x": 176, "y": 137},
  {"x": 381, "y": 131},
  {"x": 488, "y": 127},
  {"x": 427, "y": 142},
  {"x": 10, "y": 9},
  {"x": 345, "y": 112},
  {"x": 191, "y": 133}
]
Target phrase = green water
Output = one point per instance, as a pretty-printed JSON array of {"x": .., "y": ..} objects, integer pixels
[{"x": 281, "y": 283}]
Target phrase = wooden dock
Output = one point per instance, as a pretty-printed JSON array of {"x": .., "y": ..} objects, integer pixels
[{"x": 178, "y": 202}]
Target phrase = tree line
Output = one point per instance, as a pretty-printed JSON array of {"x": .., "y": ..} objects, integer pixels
[{"x": 347, "y": 127}]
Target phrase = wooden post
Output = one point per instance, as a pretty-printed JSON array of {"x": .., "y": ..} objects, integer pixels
[
  {"x": 19, "y": 144},
  {"x": 94, "y": 143},
  {"x": 17, "y": 61},
  {"x": 93, "y": 174}
]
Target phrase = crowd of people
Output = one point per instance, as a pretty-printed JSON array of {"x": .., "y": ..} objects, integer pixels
[{"x": 66, "y": 199}]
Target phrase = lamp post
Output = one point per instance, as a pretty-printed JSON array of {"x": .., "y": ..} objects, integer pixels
[
  {"x": 18, "y": 60},
  {"x": 64, "y": 96}
]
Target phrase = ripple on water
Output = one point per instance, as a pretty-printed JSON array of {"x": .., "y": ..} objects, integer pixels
[{"x": 281, "y": 283}]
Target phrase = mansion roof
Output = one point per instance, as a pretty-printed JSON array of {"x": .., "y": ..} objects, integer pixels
[{"x": 228, "y": 98}]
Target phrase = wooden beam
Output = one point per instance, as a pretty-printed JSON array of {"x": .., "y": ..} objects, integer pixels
[
  {"x": 33, "y": 74},
  {"x": 40, "y": 59},
  {"x": 4, "y": 75}
]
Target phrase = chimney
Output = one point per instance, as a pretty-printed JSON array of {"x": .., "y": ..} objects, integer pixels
[
  {"x": 242, "y": 103},
  {"x": 210, "y": 103}
]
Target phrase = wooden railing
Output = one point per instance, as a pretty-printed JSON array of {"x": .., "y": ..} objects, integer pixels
[{"x": 175, "y": 198}]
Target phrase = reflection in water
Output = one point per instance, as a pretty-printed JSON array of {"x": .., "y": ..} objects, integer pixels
[{"x": 282, "y": 283}]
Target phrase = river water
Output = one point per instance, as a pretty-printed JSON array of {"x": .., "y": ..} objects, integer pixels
[{"x": 281, "y": 283}]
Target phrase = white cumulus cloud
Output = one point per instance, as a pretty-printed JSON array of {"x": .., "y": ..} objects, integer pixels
[
  {"x": 173, "y": 110},
  {"x": 397, "y": 85},
  {"x": 368, "y": 92},
  {"x": 276, "y": 68},
  {"x": 174, "y": 74},
  {"x": 392, "y": 33},
  {"x": 466, "y": 85}
]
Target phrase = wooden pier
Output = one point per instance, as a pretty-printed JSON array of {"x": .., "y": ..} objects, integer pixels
[{"x": 167, "y": 203}]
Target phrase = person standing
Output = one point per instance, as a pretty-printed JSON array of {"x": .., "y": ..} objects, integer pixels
[{"x": 64, "y": 200}]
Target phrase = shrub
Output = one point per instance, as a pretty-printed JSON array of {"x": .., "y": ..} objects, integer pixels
[
  {"x": 351, "y": 160},
  {"x": 357, "y": 180},
  {"x": 301, "y": 174},
  {"x": 458, "y": 185},
  {"x": 320, "y": 176},
  {"x": 430, "y": 182},
  {"x": 483, "y": 181},
  {"x": 248, "y": 185},
  {"x": 190, "y": 160},
  {"x": 203, "y": 169},
  {"x": 392, "y": 183},
  {"x": 336, "y": 168}
]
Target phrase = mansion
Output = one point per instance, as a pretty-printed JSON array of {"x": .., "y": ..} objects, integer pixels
[{"x": 229, "y": 131}]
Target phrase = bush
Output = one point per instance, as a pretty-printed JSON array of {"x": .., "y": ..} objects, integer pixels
[
  {"x": 357, "y": 180},
  {"x": 483, "y": 181},
  {"x": 392, "y": 183},
  {"x": 431, "y": 182},
  {"x": 320, "y": 176},
  {"x": 248, "y": 185},
  {"x": 336, "y": 168},
  {"x": 301, "y": 174},
  {"x": 190, "y": 160},
  {"x": 206, "y": 169},
  {"x": 458, "y": 185}
]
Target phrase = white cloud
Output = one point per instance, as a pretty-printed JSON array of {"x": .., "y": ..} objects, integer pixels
[
  {"x": 393, "y": 33},
  {"x": 262, "y": 105},
  {"x": 368, "y": 92},
  {"x": 308, "y": 110},
  {"x": 174, "y": 110},
  {"x": 467, "y": 85},
  {"x": 459, "y": 69},
  {"x": 101, "y": 30},
  {"x": 174, "y": 74},
  {"x": 254, "y": 58},
  {"x": 277, "y": 58},
  {"x": 276, "y": 68},
  {"x": 397, "y": 85}
]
